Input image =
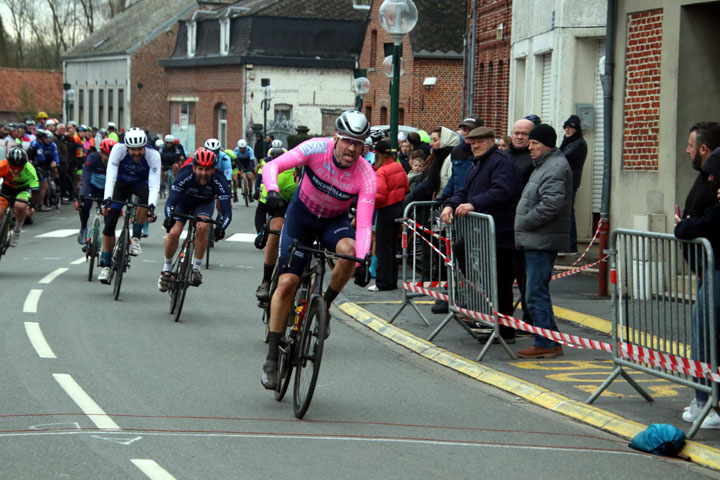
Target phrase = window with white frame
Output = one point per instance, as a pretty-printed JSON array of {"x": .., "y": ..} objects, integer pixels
[
  {"x": 283, "y": 111},
  {"x": 222, "y": 124},
  {"x": 191, "y": 38},
  {"x": 224, "y": 36}
]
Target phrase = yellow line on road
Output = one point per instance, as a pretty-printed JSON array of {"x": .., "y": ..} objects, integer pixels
[{"x": 699, "y": 453}]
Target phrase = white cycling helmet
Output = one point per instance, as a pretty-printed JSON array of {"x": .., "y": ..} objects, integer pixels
[
  {"x": 169, "y": 138},
  {"x": 353, "y": 124},
  {"x": 276, "y": 144},
  {"x": 159, "y": 144},
  {"x": 135, "y": 138},
  {"x": 242, "y": 143},
  {"x": 213, "y": 144}
]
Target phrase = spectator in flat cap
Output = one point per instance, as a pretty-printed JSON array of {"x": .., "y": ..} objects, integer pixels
[
  {"x": 575, "y": 150},
  {"x": 542, "y": 229},
  {"x": 492, "y": 186}
]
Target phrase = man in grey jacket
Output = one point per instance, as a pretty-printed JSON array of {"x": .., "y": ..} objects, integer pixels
[{"x": 542, "y": 229}]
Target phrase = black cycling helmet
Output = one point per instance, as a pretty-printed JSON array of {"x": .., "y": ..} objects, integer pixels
[
  {"x": 275, "y": 152},
  {"x": 353, "y": 124},
  {"x": 17, "y": 157}
]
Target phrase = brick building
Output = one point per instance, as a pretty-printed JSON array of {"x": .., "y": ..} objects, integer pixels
[
  {"x": 113, "y": 75},
  {"x": 25, "y": 92},
  {"x": 488, "y": 65},
  {"x": 432, "y": 50},
  {"x": 666, "y": 60},
  {"x": 222, "y": 59}
]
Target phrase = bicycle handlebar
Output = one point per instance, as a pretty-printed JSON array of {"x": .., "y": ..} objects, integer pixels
[
  {"x": 195, "y": 218},
  {"x": 325, "y": 254}
]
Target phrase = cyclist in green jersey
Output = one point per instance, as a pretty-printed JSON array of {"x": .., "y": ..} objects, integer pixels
[{"x": 19, "y": 181}]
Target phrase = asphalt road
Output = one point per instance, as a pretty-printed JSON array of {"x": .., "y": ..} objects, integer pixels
[{"x": 97, "y": 388}]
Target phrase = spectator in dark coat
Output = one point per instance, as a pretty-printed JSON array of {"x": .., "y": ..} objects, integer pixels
[
  {"x": 575, "y": 150},
  {"x": 492, "y": 186},
  {"x": 704, "y": 226},
  {"x": 392, "y": 185},
  {"x": 542, "y": 228}
]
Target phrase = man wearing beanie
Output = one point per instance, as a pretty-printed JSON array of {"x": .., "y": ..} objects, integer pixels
[
  {"x": 575, "y": 150},
  {"x": 542, "y": 229}
]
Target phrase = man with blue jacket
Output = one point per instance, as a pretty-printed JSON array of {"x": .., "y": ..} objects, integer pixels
[{"x": 492, "y": 186}]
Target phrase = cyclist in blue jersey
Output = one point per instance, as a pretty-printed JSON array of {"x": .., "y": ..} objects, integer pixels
[
  {"x": 194, "y": 193},
  {"x": 245, "y": 163},
  {"x": 132, "y": 169},
  {"x": 44, "y": 157},
  {"x": 92, "y": 184},
  {"x": 224, "y": 162}
]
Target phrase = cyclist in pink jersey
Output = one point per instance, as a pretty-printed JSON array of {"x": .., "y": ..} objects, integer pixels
[{"x": 334, "y": 175}]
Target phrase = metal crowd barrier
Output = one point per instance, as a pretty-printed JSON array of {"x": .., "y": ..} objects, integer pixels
[
  {"x": 663, "y": 313},
  {"x": 424, "y": 270},
  {"x": 473, "y": 283}
]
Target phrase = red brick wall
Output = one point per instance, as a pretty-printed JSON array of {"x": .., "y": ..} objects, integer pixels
[
  {"x": 642, "y": 90},
  {"x": 212, "y": 86},
  {"x": 148, "y": 105},
  {"x": 492, "y": 64},
  {"x": 442, "y": 105}
]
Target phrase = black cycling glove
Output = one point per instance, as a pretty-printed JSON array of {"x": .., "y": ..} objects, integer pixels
[
  {"x": 219, "y": 233},
  {"x": 168, "y": 223},
  {"x": 274, "y": 201}
]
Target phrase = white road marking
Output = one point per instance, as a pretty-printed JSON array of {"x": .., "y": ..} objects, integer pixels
[
  {"x": 242, "y": 237},
  {"x": 121, "y": 440},
  {"x": 86, "y": 404},
  {"x": 59, "y": 233},
  {"x": 56, "y": 426},
  {"x": 38, "y": 340},
  {"x": 31, "y": 301},
  {"x": 52, "y": 276},
  {"x": 152, "y": 469},
  {"x": 79, "y": 261}
]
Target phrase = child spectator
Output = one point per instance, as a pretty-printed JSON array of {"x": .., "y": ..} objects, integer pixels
[{"x": 417, "y": 165}]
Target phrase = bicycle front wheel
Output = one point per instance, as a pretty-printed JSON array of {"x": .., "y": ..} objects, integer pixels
[
  {"x": 183, "y": 280},
  {"x": 245, "y": 190},
  {"x": 309, "y": 355},
  {"x": 93, "y": 247},
  {"x": 120, "y": 262},
  {"x": 5, "y": 233}
]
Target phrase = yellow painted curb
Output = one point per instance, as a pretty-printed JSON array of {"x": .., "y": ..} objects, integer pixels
[
  {"x": 596, "y": 323},
  {"x": 701, "y": 454}
]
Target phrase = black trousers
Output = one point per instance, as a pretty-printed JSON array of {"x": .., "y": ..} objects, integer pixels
[{"x": 387, "y": 242}]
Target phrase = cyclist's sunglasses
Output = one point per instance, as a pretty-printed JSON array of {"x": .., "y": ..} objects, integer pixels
[{"x": 352, "y": 141}]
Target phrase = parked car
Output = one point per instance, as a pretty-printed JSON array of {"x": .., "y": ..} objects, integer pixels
[{"x": 379, "y": 131}]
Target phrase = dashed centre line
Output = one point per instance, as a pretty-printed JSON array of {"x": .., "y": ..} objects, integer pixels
[
  {"x": 31, "y": 301},
  {"x": 152, "y": 469},
  {"x": 38, "y": 340},
  {"x": 53, "y": 275},
  {"x": 86, "y": 404}
]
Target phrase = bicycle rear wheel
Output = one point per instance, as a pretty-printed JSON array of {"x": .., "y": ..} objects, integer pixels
[
  {"x": 120, "y": 262},
  {"x": 309, "y": 355},
  {"x": 184, "y": 279}
]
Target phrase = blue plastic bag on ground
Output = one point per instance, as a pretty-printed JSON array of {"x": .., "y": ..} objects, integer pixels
[{"x": 659, "y": 439}]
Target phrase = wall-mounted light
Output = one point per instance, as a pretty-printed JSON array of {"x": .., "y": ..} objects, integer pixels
[
  {"x": 139, "y": 85},
  {"x": 499, "y": 32},
  {"x": 429, "y": 82}
]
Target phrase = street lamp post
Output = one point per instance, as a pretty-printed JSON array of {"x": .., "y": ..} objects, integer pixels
[
  {"x": 397, "y": 17},
  {"x": 361, "y": 87},
  {"x": 268, "y": 93}
]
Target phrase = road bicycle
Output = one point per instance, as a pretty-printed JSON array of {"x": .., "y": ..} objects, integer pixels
[
  {"x": 121, "y": 252},
  {"x": 93, "y": 242},
  {"x": 301, "y": 347},
  {"x": 8, "y": 222},
  {"x": 265, "y": 305},
  {"x": 182, "y": 264},
  {"x": 245, "y": 187}
]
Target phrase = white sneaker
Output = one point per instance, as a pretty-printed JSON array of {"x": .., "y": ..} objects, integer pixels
[
  {"x": 104, "y": 276},
  {"x": 135, "y": 249},
  {"x": 14, "y": 237},
  {"x": 712, "y": 421},
  {"x": 691, "y": 412}
]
